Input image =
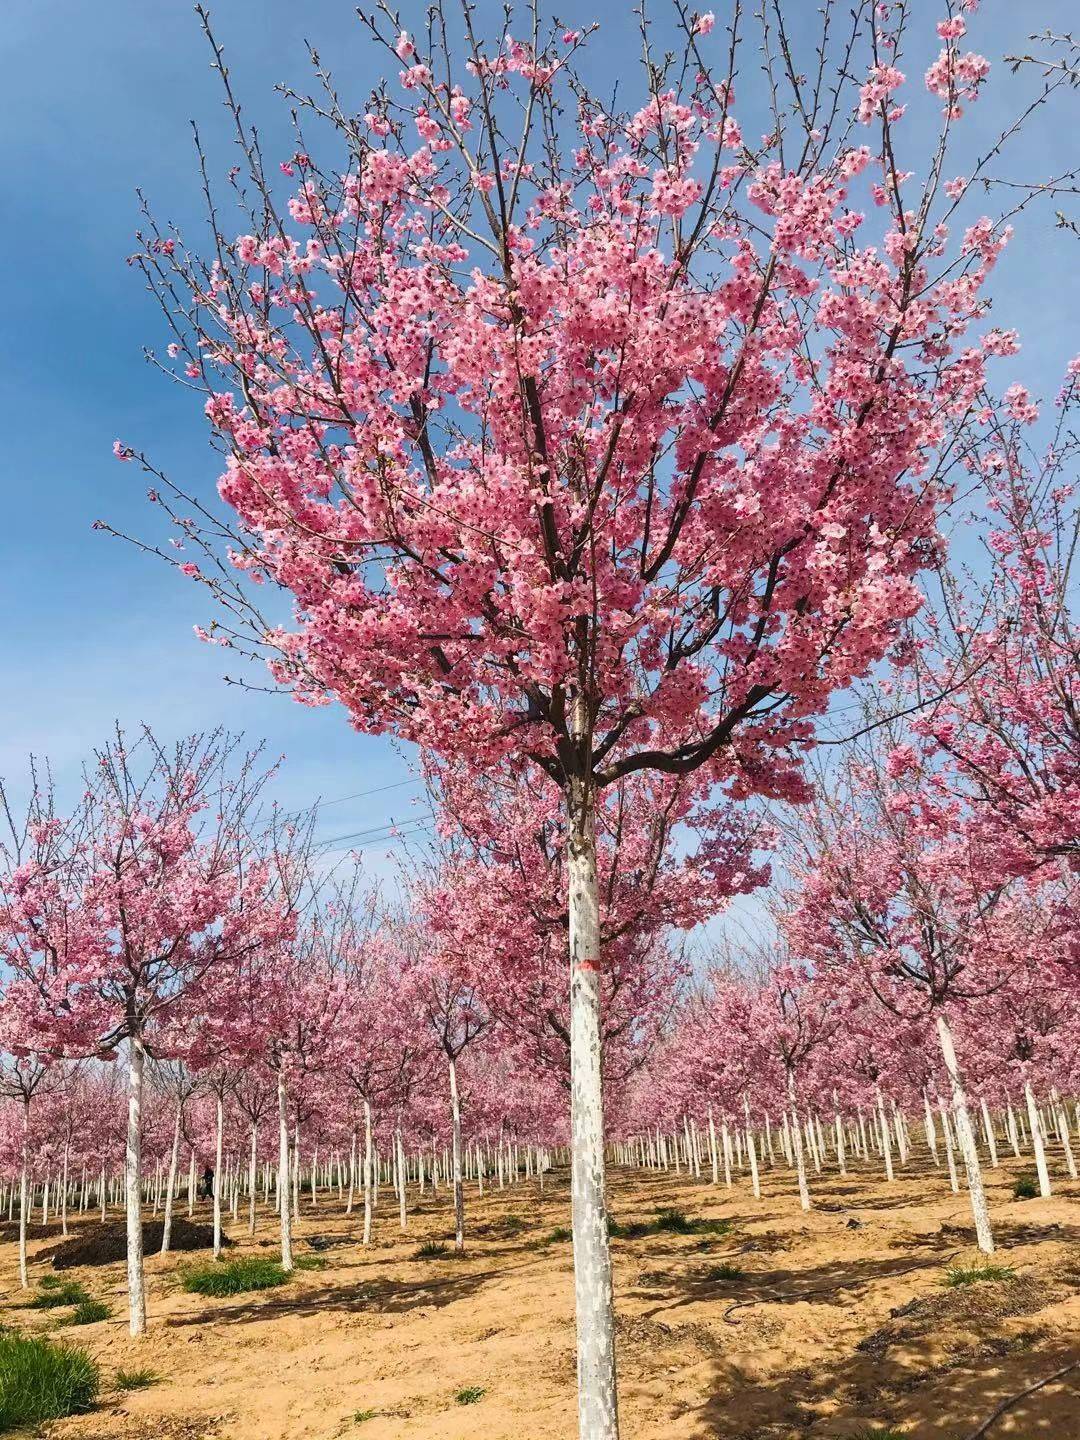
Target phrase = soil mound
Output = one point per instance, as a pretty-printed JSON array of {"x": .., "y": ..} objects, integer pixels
[{"x": 105, "y": 1244}]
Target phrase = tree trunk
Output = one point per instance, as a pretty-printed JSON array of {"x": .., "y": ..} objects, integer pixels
[
  {"x": 841, "y": 1158},
  {"x": 283, "y": 1174},
  {"x": 886, "y": 1142},
  {"x": 170, "y": 1183},
  {"x": 403, "y": 1214},
  {"x": 991, "y": 1141},
  {"x": 253, "y": 1169},
  {"x": 64, "y": 1190},
  {"x": 459, "y": 1187},
  {"x": 751, "y": 1151},
  {"x": 946, "y": 1131},
  {"x": 928, "y": 1126},
  {"x": 24, "y": 1196},
  {"x": 352, "y": 1173},
  {"x": 367, "y": 1173},
  {"x": 966, "y": 1138},
  {"x": 218, "y": 1176},
  {"x": 1037, "y": 1141},
  {"x": 796, "y": 1140},
  {"x": 132, "y": 1189},
  {"x": 598, "y": 1410}
]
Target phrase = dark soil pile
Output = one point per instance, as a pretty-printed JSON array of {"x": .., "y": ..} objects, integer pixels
[{"x": 105, "y": 1244}]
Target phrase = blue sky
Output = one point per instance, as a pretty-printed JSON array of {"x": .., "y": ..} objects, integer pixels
[{"x": 96, "y": 99}]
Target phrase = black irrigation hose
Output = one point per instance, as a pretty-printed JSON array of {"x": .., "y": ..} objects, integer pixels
[{"x": 1015, "y": 1399}]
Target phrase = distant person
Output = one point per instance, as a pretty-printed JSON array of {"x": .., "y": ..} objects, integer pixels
[{"x": 207, "y": 1189}]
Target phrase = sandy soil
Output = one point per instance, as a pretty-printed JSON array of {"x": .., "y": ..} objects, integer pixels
[{"x": 839, "y": 1321}]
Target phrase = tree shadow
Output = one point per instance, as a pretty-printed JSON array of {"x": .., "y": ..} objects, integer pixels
[
  {"x": 380, "y": 1296},
  {"x": 925, "y": 1401}
]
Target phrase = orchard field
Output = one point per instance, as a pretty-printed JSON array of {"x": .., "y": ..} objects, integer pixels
[
  {"x": 737, "y": 1317},
  {"x": 646, "y": 452}
]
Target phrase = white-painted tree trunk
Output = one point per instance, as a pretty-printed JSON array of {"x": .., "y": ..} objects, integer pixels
[
  {"x": 352, "y": 1174},
  {"x": 841, "y": 1158},
  {"x": 714, "y": 1158},
  {"x": 751, "y": 1150},
  {"x": 950, "y": 1157},
  {"x": 284, "y": 1210},
  {"x": 883, "y": 1136},
  {"x": 598, "y": 1410},
  {"x": 928, "y": 1126},
  {"x": 1061, "y": 1116},
  {"x": 1037, "y": 1144},
  {"x": 24, "y": 1196},
  {"x": 459, "y": 1184},
  {"x": 1010, "y": 1128},
  {"x": 133, "y": 1189},
  {"x": 403, "y": 1214},
  {"x": 991, "y": 1139},
  {"x": 218, "y": 1177},
  {"x": 253, "y": 1176},
  {"x": 170, "y": 1183},
  {"x": 367, "y": 1172},
  {"x": 796, "y": 1140},
  {"x": 966, "y": 1137},
  {"x": 64, "y": 1189}
]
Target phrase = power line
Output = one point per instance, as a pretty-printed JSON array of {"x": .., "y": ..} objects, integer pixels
[
  {"x": 358, "y": 795},
  {"x": 388, "y": 825},
  {"x": 389, "y": 837}
]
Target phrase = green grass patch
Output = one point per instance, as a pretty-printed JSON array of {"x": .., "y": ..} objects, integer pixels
[
  {"x": 40, "y": 1380},
  {"x": 136, "y": 1379},
  {"x": 234, "y": 1277},
  {"x": 432, "y": 1250},
  {"x": 50, "y": 1282},
  {"x": 877, "y": 1433},
  {"x": 724, "y": 1272},
  {"x": 668, "y": 1221},
  {"x": 1026, "y": 1187},
  {"x": 88, "y": 1312},
  {"x": 958, "y": 1275},
  {"x": 60, "y": 1292},
  {"x": 362, "y": 1415},
  {"x": 310, "y": 1262},
  {"x": 470, "y": 1394},
  {"x": 559, "y": 1235}
]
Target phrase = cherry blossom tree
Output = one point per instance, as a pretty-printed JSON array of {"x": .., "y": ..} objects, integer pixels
[
  {"x": 603, "y": 443},
  {"x": 120, "y": 912}
]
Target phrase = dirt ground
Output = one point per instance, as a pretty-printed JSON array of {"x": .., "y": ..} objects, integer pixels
[{"x": 838, "y": 1321}]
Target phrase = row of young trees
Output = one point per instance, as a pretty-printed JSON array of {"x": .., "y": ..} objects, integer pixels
[{"x": 596, "y": 452}]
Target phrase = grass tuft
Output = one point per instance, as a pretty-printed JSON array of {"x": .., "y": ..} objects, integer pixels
[
  {"x": 40, "y": 1380},
  {"x": 88, "y": 1312},
  {"x": 957, "y": 1275},
  {"x": 432, "y": 1250},
  {"x": 470, "y": 1394},
  {"x": 60, "y": 1292},
  {"x": 877, "y": 1432},
  {"x": 235, "y": 1277},
  {"x": 668, "y": 1221},
  {"x": 310, "y": 1262},
  {"x": 136, "y": 1379},
  {"x": 723, "y": 1271},
  {"x": 362, "y": 1415},
  {"x": 1026, "y": 1187}
]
